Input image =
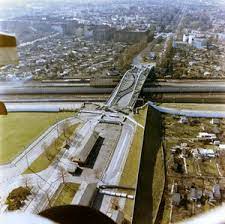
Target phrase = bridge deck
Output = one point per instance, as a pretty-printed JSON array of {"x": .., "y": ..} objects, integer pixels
[{"x": 126, "y": 93}]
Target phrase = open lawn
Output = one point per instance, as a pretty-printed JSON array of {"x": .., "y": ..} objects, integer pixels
[
  {"x": 50, "y": 153},
  {"x": 65, "y": 194},
  {"x": 19, "y": 130}
]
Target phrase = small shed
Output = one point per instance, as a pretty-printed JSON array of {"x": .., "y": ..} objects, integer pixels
[
  {"x": 204, "y": 136},
  {"x": 216, "y": 191},
  {"x": 176, "y": 198},
  {"x": 183, "y": 120},
  {"x": 207, "y": 153},
  {"x": 222, "y": 147},
  {"x": 215, "y": 121}
]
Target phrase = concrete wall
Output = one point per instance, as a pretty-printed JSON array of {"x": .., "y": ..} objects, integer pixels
[
  {"x": 85, "y": 194},
  {"x": 85, "y": 147},
  {"x": 146, "y": 208}
]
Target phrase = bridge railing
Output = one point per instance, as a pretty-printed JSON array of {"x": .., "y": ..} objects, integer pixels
[{"x": 115, "y": 91}]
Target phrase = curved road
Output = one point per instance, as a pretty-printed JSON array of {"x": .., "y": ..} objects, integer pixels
[{"x": 188, "y": 113}]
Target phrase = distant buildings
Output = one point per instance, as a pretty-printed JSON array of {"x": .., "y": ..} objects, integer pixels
[
  {"x": 221, "y": 36},
  {"x": 106, "y": 33},
  {"x": 197, "y": 41}
]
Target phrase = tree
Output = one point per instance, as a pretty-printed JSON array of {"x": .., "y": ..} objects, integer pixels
[
  {"x": 46, "y": 195},
  {"x": 66, "y": 130},
  {"x": 129, "y": 53},
  {"x": 62, "y": 173},
  {"x": 26, "y": 181},
  {"x": 166, "y": 62}
]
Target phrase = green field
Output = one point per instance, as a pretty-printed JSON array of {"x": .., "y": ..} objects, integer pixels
[
  {"x": 18, "y": 130},
  {"x": 65, "y": 194},
  {"x": 50, "y": 153}
]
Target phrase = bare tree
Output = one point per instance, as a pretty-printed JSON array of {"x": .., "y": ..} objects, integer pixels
[
  {"x": 65, "y": 128},
  {"x": 62, "y": 173},
  {"x": 26, "y": 181},
  {"x": 47, "y": 152},
  {"x": 46, "y": 195}
]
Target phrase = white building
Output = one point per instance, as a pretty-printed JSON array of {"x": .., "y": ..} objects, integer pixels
[
  {"x": 190, "y": 39},
  {"x": 204, "y": 136},
  {"x": 195, "y": 40},
  {"x": 207, "y": 153},
  {"x": 185, "y": 38},
  {"x": 183, "y": 120},
  {"x": 222, "y": 147}
]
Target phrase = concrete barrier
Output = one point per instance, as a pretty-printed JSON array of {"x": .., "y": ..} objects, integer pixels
[
  {"x": 85, "y": 194},
  {"x": 146, "y": 208},
  {"x": 188, "y": 113},
  {"x": 84, "y": 147}
]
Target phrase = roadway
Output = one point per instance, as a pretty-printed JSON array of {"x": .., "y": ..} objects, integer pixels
[
  {"x": 175, "y": 86},
  {"x": 127, "y": 91},
  {"x": 188, "y": 113},
  {"x": 52, "y": 90},
  {"x": 91, "y": 90},
  {"x": 187, "y": 97},
  {"x": 43, "y": 106},
  {"x": 186, "y": 89}
]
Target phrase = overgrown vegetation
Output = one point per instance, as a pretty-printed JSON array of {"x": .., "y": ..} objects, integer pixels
[
  {"x": 51, "y": 151},
  {"x": 130, "y": 52},
  {"x": 165, "y": 65},
  {"x": 16, "y": 198},
  {"x": 201, "y": 171},
  {"x": 158, "y": 181},
  {"x": 65, "y": 194}
]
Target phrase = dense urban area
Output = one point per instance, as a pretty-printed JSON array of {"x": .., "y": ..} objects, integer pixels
[{"x": 114, "y": 105}]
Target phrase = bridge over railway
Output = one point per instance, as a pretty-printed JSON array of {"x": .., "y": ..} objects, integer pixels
[{"x": 127, "y": 91}]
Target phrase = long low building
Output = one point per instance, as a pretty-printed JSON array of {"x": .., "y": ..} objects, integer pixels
[{"x": 84, "y": 147}]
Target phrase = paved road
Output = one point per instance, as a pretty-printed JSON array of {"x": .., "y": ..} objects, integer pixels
[
  {"x": 21, "y": 83},
  {"x": 129, "y": 88},
  {"x": 189, "y": 113},
  {"x": 52, "y": 90},
  {"x": 115, "y": 168},
  {"x": 186, "y": 89},
  {"x": 42, "y": 107},
  {"x": 160, "y": 87}
]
